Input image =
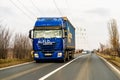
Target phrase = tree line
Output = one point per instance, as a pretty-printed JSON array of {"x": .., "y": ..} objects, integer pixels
[
  {"x": 113, "y": 46},
  {"x": 19, "y": 45}
]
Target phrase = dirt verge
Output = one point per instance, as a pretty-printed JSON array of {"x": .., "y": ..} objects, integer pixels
[{"x": 115, "y": 62}]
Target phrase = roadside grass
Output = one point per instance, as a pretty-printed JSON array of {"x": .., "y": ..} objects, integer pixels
[
  {"x": 10, "y": 62},
  {"x": 115, "y": 61}
]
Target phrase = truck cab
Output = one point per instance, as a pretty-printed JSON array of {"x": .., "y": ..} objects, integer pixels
[{"x": 49, "y": 39}]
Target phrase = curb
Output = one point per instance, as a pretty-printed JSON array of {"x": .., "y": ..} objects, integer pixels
[{"x": 111, "y": 66}]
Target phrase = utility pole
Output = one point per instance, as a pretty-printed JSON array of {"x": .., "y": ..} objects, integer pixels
[{"x": 81, "y": 41}]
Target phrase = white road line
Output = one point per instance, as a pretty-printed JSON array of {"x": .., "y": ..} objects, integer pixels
[
  {"x": 49, "y": 74},
  {"x": 16, "y": 65},
  {"x": 25, "y": 72},
  {"x": 113, "y": 67}
]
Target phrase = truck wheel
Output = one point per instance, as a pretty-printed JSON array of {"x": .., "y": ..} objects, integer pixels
[
  {"x": 68, "y": 57},
  {"x": 37, "y": 61},
  {"x": 72, "y": 56},
  {"x": 63, "y": 60}
]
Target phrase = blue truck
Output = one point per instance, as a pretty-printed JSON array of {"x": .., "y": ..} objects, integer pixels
[{"x": 53, "y": 38}]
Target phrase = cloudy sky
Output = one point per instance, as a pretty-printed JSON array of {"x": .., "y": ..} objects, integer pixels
[{"x": 89, "y": 17}]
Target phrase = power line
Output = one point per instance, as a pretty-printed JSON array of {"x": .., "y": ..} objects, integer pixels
[
  {"x": 26, "y": 8},
  {"x": 36, "y": 7},
  {"x": 57, "y": 7},
  {"x": 21, "y": 10},
  {"x": 1, "y": 20}
]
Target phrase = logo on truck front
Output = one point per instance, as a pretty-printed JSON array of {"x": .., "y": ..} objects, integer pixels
[
  {"x": 69, "y": 36},
  {"x": 45, "y": 42}
]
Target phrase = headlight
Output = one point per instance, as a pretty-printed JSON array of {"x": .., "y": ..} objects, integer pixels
[
  {"x": 36, "y": 55},
  {"x": 59, "y": 54}
]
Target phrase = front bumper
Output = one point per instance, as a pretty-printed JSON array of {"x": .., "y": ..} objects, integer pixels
[{"x": 56, "y": 55}]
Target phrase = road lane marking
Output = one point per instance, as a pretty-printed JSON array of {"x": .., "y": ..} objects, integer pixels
[
  {"x": 25, "y": 72},
  {"x": 49, "y": 74},
  {"x": 84, "y": 70},
  {"x": 16, "y": 65},
  {"x": 113, "y": 67}
]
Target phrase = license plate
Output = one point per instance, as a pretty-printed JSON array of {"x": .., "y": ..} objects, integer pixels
[{"x": 48, "y": 54}]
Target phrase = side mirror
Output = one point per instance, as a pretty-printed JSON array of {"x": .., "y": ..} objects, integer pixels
[{"x": 31, "y": 34}]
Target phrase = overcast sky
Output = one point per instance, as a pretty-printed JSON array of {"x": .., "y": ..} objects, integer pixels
[{"x": 89, "y": 17}]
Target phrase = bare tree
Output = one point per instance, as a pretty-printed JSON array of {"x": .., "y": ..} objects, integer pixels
[
  {"x": 101, "y": 47},
  {"x": 114, "y": 37},
  {"x": 5, "y": 36},
  {"x": 22, "y": 46}
]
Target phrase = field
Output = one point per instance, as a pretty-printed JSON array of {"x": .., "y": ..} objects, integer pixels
[{"x": 10, "y": 62}]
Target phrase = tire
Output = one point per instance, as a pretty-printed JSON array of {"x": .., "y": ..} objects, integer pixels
[
  {"x": 68, "y": 57},
  {"x": 37, "y": 61},
  {"x": 63, "y": 60},
  {"x": 72, "y": 56}
]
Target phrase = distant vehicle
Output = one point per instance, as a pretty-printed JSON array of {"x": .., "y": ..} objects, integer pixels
[
  {"x": 53, "y": 38},
  {"x": 85, "y": 51}
]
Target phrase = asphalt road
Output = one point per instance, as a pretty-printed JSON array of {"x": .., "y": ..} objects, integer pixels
[{"x": 87, "y": 67}]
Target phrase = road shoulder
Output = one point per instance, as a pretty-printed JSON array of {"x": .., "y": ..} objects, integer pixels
[{"x": 111, "y": 66}]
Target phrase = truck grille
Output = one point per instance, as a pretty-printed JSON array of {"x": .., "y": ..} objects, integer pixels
[{"x": 47, "y": 47}]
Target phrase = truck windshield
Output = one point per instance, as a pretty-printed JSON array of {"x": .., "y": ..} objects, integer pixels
[{"x": 47, "y": 33}]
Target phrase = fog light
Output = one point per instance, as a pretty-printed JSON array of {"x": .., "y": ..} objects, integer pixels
[
  {"x": 36, "y": 55},
  {"x": 59, "y": 55}
]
